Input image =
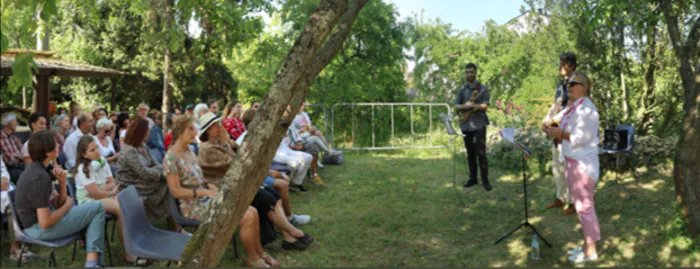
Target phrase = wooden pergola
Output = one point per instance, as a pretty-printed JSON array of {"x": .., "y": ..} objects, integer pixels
[{"x": 48, "y": 67}]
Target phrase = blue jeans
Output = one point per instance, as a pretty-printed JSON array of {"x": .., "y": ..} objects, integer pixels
[{"x": 90, "y": 215}]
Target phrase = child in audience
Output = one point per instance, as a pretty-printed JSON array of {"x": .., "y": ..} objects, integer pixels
[{"x": 94, "y": 182}]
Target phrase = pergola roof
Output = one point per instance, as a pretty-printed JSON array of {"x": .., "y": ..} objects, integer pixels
[
  {"x": 57, "y": 67},
  {"x": 47, "y": 67}
]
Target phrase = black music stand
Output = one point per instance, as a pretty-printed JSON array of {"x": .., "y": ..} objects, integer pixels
[
  {"x": 447, "y": 120},
  {"x": 508, "y": 135}
]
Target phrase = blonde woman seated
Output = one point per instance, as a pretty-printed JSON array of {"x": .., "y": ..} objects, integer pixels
[
  {"x": 186, "y": 183},
  {"x": 94, "y": 182},
  {"x": 215, "y": 160}
]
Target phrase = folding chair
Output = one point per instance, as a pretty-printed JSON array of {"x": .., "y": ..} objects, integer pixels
[
  {"x": 143, "y": 240},
  {"x": 25, "y": 239}
]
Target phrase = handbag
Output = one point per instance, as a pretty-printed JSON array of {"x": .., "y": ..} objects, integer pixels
[{"x": 328, "y": 159}]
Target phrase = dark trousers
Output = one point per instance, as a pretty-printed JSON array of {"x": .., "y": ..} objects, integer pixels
[{"x": 475, "y": 142}]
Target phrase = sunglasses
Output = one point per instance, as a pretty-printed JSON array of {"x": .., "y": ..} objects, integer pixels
[{"x": 573, "y": 83}]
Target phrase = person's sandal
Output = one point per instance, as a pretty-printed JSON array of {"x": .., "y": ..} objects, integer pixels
[
  {"x": 260, "y": 263},
  {"x": 306, "y": 239},
  {"x": 27, "y": 256},
  {"x": 270, "y": 260}
]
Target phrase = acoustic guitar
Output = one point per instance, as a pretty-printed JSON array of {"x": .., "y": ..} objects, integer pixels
[{"x": 476, "y": 94}]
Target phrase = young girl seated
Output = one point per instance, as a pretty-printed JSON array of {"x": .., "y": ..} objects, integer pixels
[{"x": 94, "y": 182}]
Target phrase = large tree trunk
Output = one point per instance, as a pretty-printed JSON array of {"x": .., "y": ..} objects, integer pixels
[
  {"x": 167, "y": 92},
  {"x": 686, "y": 170},
  {"x": 247, "y": 172}
]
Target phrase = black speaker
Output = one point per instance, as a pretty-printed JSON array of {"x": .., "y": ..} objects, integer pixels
[{"x": 615, "y": 139}]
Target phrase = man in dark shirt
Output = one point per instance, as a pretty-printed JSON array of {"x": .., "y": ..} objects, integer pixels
[
  {"x": 474, "y": 128},
  {"x": 567, "y": 65}
]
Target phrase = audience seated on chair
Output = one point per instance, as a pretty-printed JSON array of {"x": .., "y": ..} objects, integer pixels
[
  {"x": 305, "y": 138},
  {"x": 47, "y": 214},
  {"x": 267, "y": 200},
  {"x": 298, "y": 162},
  {"x": 216, "y": 157},
  {"x": 155, "y": 140},
  {"x": 136, "y": 166},
  {"x": 61, "y": 126},
  {"x": 105, "y": 142},
  {"x": 11, "y": 147},
  {"x": 232, "y": 119},
  {"x": 94, "y": 182},
  {"x": 85, "y": 123},
  {"x": 37, "y": 123},
  {"x": 187, "y": 184}
]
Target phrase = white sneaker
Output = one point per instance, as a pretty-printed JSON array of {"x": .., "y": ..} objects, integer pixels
[
  {"x": 318, "y": 162},
  {"x": 581, "y": 258},
  {"x": 299, "y": 219},
  {"x": 574, "y": 251}
]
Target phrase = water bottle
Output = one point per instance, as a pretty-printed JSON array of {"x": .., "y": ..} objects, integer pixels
[{"x": 535, "y": 253}]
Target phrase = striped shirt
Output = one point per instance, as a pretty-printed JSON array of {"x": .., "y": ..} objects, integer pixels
[{"x": 11, "y": 149}]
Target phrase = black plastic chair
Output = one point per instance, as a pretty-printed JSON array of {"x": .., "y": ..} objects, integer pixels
[
  {"x": 108, "y": 218},
  {"x": 184, "y": 222},
  {"x": 25, "y": 239},
  {"x": 143, "y": 240},
  {"x": 626, "y": 150}
]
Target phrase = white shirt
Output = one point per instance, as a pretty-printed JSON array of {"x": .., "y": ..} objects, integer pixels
[
  {"x": 105, "y": 151},
  {"x": 98, "y": 175},
  {"x": 4, "y": 199},
  {"x": 70, "y": 147},
  {"x": 582, "y": 144},
  {"x": 122, "y": 134}
]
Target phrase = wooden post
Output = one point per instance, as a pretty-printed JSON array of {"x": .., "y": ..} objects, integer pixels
[
  {"x": 113, "y": 104},
  {"x": 43, "y": 94}
]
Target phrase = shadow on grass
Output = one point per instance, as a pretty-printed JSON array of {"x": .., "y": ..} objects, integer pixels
[{"x": 402, "y": 209}]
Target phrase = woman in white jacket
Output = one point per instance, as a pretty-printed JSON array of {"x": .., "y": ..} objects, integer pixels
[{"x": 578, "y": 132}]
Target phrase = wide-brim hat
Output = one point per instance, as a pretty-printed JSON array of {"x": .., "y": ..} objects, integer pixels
[{"x": 206, "y": 121}]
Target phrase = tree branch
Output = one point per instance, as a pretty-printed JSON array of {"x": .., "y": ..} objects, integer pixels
[
  {"x": 247, "y": 172},
  {"x": 672, "y": 24},
  {"x": 326, "y": 54},
  {"x": 693, "y": 37}
]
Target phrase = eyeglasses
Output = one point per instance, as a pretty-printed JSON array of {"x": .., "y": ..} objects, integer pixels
[{"x": 573, "y": 83}]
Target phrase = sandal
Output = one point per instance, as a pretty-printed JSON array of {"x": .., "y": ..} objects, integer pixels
[
  {"x": 260, "y": 263},
  {"x": 270, "y": 260},
  {"x": 27, "y": 256}
]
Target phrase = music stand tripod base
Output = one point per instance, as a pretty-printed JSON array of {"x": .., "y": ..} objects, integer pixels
[
  {"x": 447, "y": 121},
  {"x": 527, "y": 221}
]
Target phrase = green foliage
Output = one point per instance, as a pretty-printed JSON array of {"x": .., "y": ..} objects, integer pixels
[{"x": 22, "y": 69}]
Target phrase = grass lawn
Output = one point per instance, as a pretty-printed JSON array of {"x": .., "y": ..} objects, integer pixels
[{"x": 401, "y": 209}]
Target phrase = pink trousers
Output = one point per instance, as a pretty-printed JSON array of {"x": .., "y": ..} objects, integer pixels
[{"x": 582, "y": 189}]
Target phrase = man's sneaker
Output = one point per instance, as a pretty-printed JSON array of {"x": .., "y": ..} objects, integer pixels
[
  {"x": 318, "y": 180},
  {"x": 297, "y": 220},
  {"x": 297, "y": 188},
  {"x": 319, "y": 164}
]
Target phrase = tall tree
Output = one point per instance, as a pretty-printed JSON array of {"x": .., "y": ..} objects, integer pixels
[
  {"x": 686, "y": 170},
  {"x": 247, "y": 172}
]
